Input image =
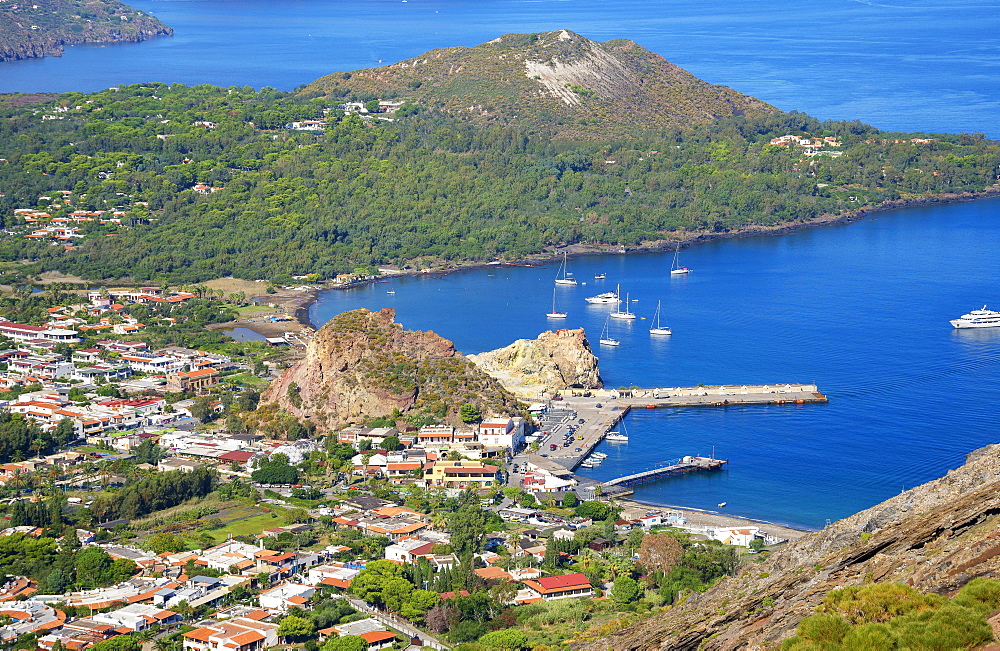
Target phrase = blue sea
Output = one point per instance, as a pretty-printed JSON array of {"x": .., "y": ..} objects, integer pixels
[
  {"x": 901, "y": 65},
  {"x": 860, "y": 309}
]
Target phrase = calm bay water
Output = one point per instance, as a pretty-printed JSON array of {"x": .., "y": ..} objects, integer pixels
[
  {"x": 860, "y": 309},
  {"x": 906, "y": 65}
]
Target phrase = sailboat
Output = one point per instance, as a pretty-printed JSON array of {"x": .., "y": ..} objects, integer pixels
[
  {"x": 555, "y": 314},
  {"x": 563, "y": 277},
  {"x": 658, "y": 329},
  {"x": 675, "y": 269},
  {"x": 606, "y": 339},
  {"x": 626, "y": 315},
  {"x": 616, "y": 436}
]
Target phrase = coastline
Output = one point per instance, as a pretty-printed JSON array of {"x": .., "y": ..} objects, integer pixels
[
  {"x": 705, "y": 518},
  {"x": 300, "y": 304}
]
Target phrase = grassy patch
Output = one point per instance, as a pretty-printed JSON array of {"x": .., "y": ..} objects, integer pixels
[{"x": 249, "y": 527}]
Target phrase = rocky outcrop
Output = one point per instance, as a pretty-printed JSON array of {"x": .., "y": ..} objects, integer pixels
[
  {"x": 36, "y": 30},
  {"x": 560, "y": 359},
  {"x": 936, "y": 537},
  {"x": 362, "y": 365}
]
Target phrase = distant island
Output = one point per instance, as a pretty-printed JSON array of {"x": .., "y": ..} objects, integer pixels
[
  {"x": 30, "y": 30},
  {"x": 518, "y": 148}
]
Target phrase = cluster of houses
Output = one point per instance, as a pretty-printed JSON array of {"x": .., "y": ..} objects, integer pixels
[
  {"x": 35, "y": 363},
  {"x": 358, "y": 108},
  {"x": 281, "y": 579},
  {"x": 66, "y": 224},
  {"x": 285, "y": 580},
  {"x": 812, "y": 146}
]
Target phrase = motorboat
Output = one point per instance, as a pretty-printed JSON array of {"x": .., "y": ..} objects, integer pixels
[
  {"x": 600, "y": 276},
  {"x": 603, "y": 299},
  {"x": 978, "y": 319}
]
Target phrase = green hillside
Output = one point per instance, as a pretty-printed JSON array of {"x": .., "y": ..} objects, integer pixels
[
  {"x": 157, "y": 182},
  {"x": 558, "y": 80},
  {"x": 43, "y": 27}
]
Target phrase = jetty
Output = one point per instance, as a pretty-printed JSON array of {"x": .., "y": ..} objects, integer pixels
[
  {"x": 669, "y": 468},
  {"x": 732, "y": 395},
  {"x": 592, "y": 415}
]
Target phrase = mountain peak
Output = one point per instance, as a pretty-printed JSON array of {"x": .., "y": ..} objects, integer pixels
[{"x": 560, "y": 79}]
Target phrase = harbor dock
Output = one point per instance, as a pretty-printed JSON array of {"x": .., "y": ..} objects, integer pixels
[
  {"x": 592, "y": 417},
  {"x": 722, "y": 396},
  {"x": 668, "y": 469}
]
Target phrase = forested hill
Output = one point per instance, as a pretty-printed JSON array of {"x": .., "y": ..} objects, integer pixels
[
  {"x": 158, "y": 182},
  {"x": 557, "y": 79},
  {"x": 38, "y": 28}
]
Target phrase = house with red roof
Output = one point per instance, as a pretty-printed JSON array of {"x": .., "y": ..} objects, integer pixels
[{"x": 564, "y": 586}]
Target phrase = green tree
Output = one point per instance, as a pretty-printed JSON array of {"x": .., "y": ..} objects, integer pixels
[
  {"x": 379, "y": 583},
  {"x": 296, "y": 629},
  {"x": 625, "y": 590},
  {"x": 418, "y": 603},
  {"x": 390, "y": 443},
  {"x": 118, "y": 643},
  {"x": 345, "y": 643},
  {"x": 469, "y": 413},
  {"x": 570, "y": 500},
  {"x": 163, "y": 542},
  {"x": 506, "y": 639}
]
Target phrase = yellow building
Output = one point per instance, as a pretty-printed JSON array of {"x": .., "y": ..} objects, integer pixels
[{"x": 461, "y": 474}]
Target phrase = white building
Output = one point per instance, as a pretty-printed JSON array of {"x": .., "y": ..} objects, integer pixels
[
  {"x": 505, "y": 432},
  {"x": 282, "y": 597}
]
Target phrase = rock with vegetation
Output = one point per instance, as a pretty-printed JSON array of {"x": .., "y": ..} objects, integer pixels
[
  {"x": 560, "y": 359},
  {"x": 363, "y": 365},
  {"x": 586, "y": 88},
  {"x": 935, "y": 538},
  {"x": 36, "y": 30}
]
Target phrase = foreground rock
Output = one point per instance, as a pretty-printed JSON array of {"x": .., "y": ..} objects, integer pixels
[
  {"x": 555, "y": 360},
  {"x": 362, "y": 365},
  {"x": 936, "y": 537}
]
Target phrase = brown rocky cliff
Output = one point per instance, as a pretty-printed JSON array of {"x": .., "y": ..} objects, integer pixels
[
  {"x": 560, "y": 359},
  {"x": 363, "y": 364},
  {"x": 935, "y": 537}
]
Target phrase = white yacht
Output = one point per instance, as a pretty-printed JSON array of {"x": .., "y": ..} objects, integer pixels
[
  {"x": 978, "y": 319},
  {"x": 626, "y": 315},
  {"x": 616, "y": 437},
  {"x": 605, "y": 298}
]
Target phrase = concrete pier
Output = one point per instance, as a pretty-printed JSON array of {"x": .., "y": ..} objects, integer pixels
[
  {"x": 734, "y": 395},
  {"x": 601, "y": 414},
  {"x": 675, "y": 467}
]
